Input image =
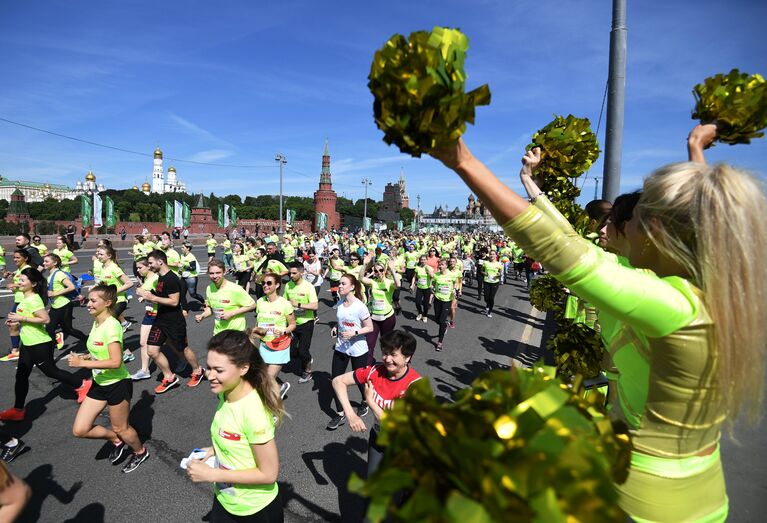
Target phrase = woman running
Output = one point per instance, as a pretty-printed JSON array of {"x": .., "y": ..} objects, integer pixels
[
  {"x": 226, "y": 301},
  {"x": 112, "y": 387},
  {"x": 353, "y": 324},
  {"x": 422, "y": 276},
  {"x": 443, "y": 284},
  {"x": 275, "y": 320},
  {"x": 384, "y": 383},
  {"x": 112, "y": 274},
  {"x": 247, "y": 463},
  {"x": 243, "y": 267},
  {"x": 491, "y": 274},
  {"x": 62, "y": 307},
  {"x": 211, "y": 245},
  {"x": 456, "y": 269},
  {"x": 381, "y": 300},
  {"x": 21, "y": 259},
  {"x": 148, "y": 283},
  {"x": 333, "y": 273},
  {"x": 705, "y": 332},
  {"x": 64, "y": 251},
  {"x": 190, "y": 269},
  {"x": 36, "y": 345}
]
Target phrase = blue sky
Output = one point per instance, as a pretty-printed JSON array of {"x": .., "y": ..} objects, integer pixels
[{"x": 235, "y": 82}]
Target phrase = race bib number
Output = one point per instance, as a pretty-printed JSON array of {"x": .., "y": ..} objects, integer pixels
[
  {"x": 218, "y": 312},
  {"x": 445, "y": 289}
]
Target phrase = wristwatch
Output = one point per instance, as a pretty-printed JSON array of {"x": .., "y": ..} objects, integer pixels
[{"x": 356, "y": 332}]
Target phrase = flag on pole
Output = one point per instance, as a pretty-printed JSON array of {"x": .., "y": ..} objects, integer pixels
[
  {"x": 86, "y": 210},
  {"x": 366, "y": 223},
  {"x": 98, "y": 211},
  {"x": 226, "y": 215},
  {"x": 178, "y": 214},
  {"x": 111, "y": 219},
  {"x": 413, "y": 226},
  {"x": 322, "y": 221},
  {"x": 187, "y": 215},
  {"x": 290, "y": 216},
  {"x": 169, "y": 211},
  {"x": 400, "y": 225},
  {"x": 234, "y": 217},
  {"x": 220, "y": 217}
]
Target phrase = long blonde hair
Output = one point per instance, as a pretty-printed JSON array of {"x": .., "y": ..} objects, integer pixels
[{"x": 711, "y": 221}]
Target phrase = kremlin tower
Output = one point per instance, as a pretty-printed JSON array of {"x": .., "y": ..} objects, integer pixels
[
  {"x": 158, "y": 175},
  {"x": 325, "y": 196}
]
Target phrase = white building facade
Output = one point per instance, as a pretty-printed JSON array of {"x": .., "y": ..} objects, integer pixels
[
  {"x": 40, "y": 191},
  {"x": 159, "y": 184}
]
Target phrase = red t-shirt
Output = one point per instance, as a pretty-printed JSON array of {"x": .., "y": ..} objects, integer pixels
[{"x": 386, "y": 390}]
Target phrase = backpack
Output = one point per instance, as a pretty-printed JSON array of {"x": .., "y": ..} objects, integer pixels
[{"x": 75, "y": 281}]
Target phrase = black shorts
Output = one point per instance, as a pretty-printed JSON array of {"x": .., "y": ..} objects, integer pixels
[
  {"x": 174, "y": 334},
  {"x": 113, "y": 394},
  {"x": 120, "y": 307},
  {"x": 519, "y": 267}
]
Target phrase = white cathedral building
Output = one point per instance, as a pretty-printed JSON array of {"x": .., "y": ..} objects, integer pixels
[{"x": 160, "y": 184}]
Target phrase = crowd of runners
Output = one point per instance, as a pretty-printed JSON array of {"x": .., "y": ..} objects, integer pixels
[{"x": 654, "y": 282}]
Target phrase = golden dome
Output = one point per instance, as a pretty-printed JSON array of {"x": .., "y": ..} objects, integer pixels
[
  {"x": 135, "y": 187},
  {"x": 171, "y": 169},
  {"x": 145, "y": 186},
  {"x": 90, "y": 176},
  {"x": 158, "y": 152}
]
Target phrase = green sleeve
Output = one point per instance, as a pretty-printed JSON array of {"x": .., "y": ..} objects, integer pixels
[
  {"x": 543, "y": 203},
  {"x": 654, "y": 306}
]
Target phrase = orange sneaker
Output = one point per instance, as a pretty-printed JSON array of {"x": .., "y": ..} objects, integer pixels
[
  {"x": 166, "y": 385},
  {"x": 12, "y": 414},
  {"x": 196, "y": 378},
  {"x": 83, "y": 389}
]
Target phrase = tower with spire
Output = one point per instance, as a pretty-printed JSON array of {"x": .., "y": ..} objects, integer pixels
[
  {"x": 325, "y": 197},
  {"x": 402, "y": 190},
  {"x": 158, "y": 175}
]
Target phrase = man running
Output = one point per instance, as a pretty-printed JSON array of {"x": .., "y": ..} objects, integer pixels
[{"x": 302, "y": 296}]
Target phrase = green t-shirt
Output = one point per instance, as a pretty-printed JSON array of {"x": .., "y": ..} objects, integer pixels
[
  {"x": 276, "y": 266},
  {"x": 65, "y": 255},
  {"x": 303, "y": 293},
  {"x": 227, "y": 247},
  {"x": 150, "y": 284},
  {"x": 111, "y": 274},
  {"x": 272, "y": 314},
  {"x": 2, "y": 256},
  {"x": 186, "y": 261},
  {"x": 137, "y": 251},
  {"x": 241, "y": 262},
  {"x": 336, "y": 269},
  {"x": 97, "y": 268},
  {"x": 422, "y": 278},
  {"x": 411, "y": 259},
  {"x": 41, "y": 248},
  {"x": 289, "y": 252},
  {"x": 228, "y": 297},
  {"x": 492, "y": 271},
  {"x": 174, "y": 261},
  {"x": 32, "y": 333},
  {"x": 212, "y": 244},
  {"x": 98, "y": 346},
  {"x": 58, "y": 277},
  {"x": 236, "y": 426},
  {"x": 381, "y": 296},
  {"x": 444, "y": 286},
  {"x": 17, "y": 294}
]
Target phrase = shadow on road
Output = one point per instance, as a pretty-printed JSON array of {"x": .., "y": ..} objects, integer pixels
[
  {"x": 42, "y": 484},
  {"x": 339, "y": 460}
]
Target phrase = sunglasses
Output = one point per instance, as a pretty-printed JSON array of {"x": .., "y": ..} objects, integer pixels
[{"x": 268, "y": 283}]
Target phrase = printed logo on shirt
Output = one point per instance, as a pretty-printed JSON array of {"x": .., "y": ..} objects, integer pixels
[
  {"x": 226, "y": 301},
  {"x": 231, "y": 436},
  {"x": 98, "y": 343},
  {"x": 349, "y": 324}
]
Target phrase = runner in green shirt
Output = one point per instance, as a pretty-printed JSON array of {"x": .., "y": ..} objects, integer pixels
[
  {"x": 492, "y": 270},
  {"x": 112, "y": 274},
  {"x": 246, "y": 461},
  {"x": 64, "y": 251},
  {"x": 211, "y": 245},
  {"x": 383, "y": 280},
  {"x": 12, "y": 279},
  {"x": 61, "y": 312},
  {"x": 444, "y": 291},
  {"x": 227, "y": 302},
  {"x": 112, "y": 384},
  {"x": 148, "y": 283},
  {"x": 422, "y": 276},
  {"x": 303, "y": 297}
]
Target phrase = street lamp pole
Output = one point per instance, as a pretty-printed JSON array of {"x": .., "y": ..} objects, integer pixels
[
  {"x": 281, "y": 160},
  {"x": 366, "y": 182},
  {"x": 418, "y": 212},
  {"x": 596, "y": 187}
]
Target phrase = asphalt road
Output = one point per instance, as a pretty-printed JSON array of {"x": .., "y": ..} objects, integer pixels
[{"x": 72, "y": 480}]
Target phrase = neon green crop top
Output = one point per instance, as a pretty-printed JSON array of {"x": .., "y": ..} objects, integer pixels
[{"x": 684, "y": 409}]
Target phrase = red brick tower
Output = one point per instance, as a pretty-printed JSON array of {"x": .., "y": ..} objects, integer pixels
[{"x": 325, "y": 196}]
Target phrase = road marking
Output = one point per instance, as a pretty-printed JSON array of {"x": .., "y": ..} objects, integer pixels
[{"x": 527, "y": 332}]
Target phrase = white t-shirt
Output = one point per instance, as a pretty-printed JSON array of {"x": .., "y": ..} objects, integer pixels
[
  {"x": 350, "y": 317},
  {"x": 315, "y": 280}
]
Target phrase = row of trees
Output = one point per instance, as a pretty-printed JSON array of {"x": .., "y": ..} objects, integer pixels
[{"x": 135, "y": 206}]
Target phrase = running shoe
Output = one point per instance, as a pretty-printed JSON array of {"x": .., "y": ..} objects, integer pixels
[
  {"x": 425, "y": 319},
  {"x": 439, "y": 346},
  {"x": 128, "y": 357},
  {"x": 83, "y": 389},
  {"x": 117, "y": 452},
  {"x": 141, "y": 374},
  {"x": 336, "y": 422},
  {"x": 10, "y": 453},
  {"x": 126, "y": 325},
  {"x": 166, "y": 385},
  {"x": 196, "y": 378},
  {"x": 306, "y": 377},
  {"x": 451, "y": 323},
  {"x": 418, "y": 318},
  {"x": 11, "y": 356},
  {"x": 489, "y": 315},
  {"x": 12, "y": 414},
  {"x": 136, "y": 460},
  {"x": 284, "y": 388},
  {"x": 363, "y": 410}
]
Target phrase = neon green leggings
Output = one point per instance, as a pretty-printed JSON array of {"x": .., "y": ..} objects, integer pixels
[{"x": 686, "y": 489}]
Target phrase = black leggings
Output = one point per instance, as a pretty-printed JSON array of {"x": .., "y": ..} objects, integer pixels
[
  {"x": 441, "y": 310},
  {"x": 302, "y": 342},
  {"x": 243, "y": 277},
  {"x": 40, "y": 355},
  {"x": 62, "y": 317},
  {"x": 191, "y": 285},
  {"x": 490, "y": 290},
  {"x": 272, "y": 513},
  {"x": 338, "y": 367},
  {"x": 422, "y": 297},
  {"x": 379, "y": 328}
]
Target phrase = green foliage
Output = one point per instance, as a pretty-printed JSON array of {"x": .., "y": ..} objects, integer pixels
[
  {"x": 568, "y": 147},
  {"x": 546, "y": 294},
  {"x": 516, "y": 446},
  {"x": 577, "y": 349},
  {"x": 418, "y": 85},
  {"x": 736, "y": 102},
  {"x": 406, "y": 215}
]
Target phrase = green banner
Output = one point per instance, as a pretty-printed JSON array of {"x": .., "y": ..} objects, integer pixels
[
  {"x": 367, "y": 224},
  {"x": 170, "y": 217},
  {"x": 187, "y": 215},
  {"x": 86, "y": 210},
  {"x": 109, "y": 206},
  {"x": 400, "y": 225},
  {"x": 413, "y": 226},
  {"x": 220, "y": 217},
  {"x": 233, "y": 220},
  {"x": 290, "y": 216},
  {"x": 322, "y": 221}
]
